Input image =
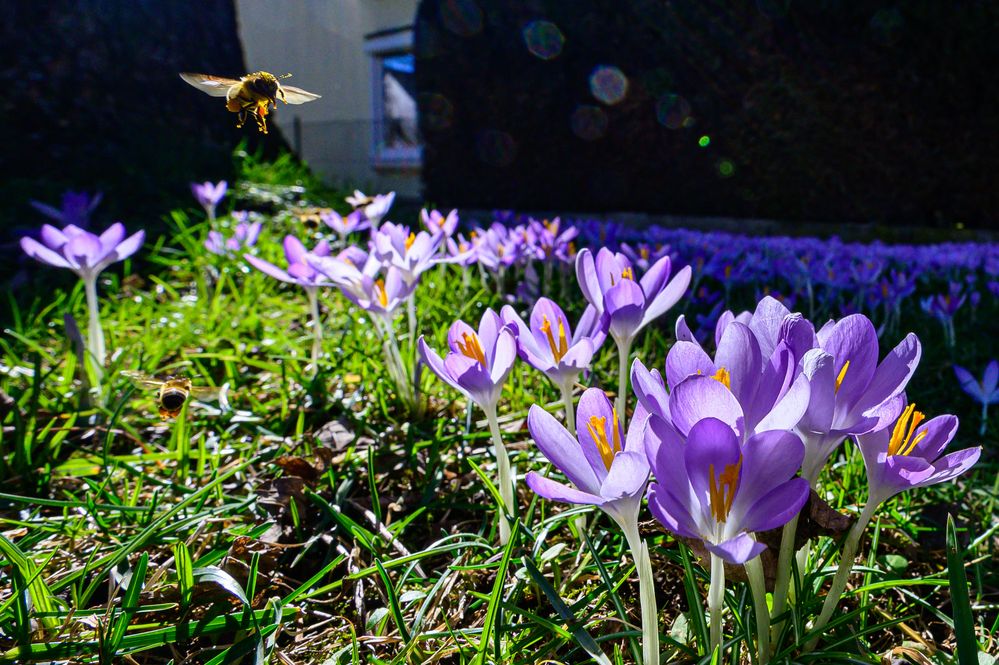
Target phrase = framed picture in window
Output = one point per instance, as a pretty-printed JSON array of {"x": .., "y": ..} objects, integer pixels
[{"x": 395, "y": 134}]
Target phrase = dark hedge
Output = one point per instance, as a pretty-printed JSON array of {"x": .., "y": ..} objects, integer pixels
[
  {"x": 822, "y": 110},
  {"x": 92, "y": 101}
]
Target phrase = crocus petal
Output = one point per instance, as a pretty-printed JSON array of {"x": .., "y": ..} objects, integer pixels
[
  {"x": 739, "y": 354},
  {"x": 626, "y": 477},
  {"x": 854, "y": 340},
  {"x": 53, "y": 237},
  {"x": 650, "y": 389},
  {"x": 687, "y": 359},
  {"x": 990, "y": 378},
  {"x": 654, "y": 278},
  {"x": 83, "y": 251},
  {"x": 892, "y": 374},
  {"x": 594, "y": 408},
  {"x": 788, "y": 412},
  {"x": 269, "y": 269},
  {"x": 766, "y": 323},
  {"x": 112, "y": 236},
  {"x": 40, "y": 252},
  {"x": 768, "y": 458},
  {"x": 711, "y": 444},
  {"x": 777, "y": 507},
  {"x": 671, "y": 513},
  {"x": 668, "y": 297},
  {"x": 561, "y": 449},
  {"x": 586, "y": 274},
  {"x": 682, "y": 332},
  {"x": 129, "y": 246},
  {"x": 737, "y": 550},
  {"x": 555, "y": 491},
  {"x": 700, "y": 397},
  {"x": 294, "y": 250},
  {"x": 436, "y": 364},
  {"x": 624, "y": 303},
  {"x": 952, "y": 465},
  {"x": 456, "y": 334},
  {"x": 969, "y": 383},
  {"x": 473, "y": 377},
  {"x": 504, "y": 356},
  {"x": 489, "y": 327},
  {"x": 663, "y": 449},
  {"x": 939, "y": 432}
]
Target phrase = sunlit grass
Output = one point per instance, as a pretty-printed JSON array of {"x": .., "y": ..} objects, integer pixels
[{"x": 312, "y": 524}]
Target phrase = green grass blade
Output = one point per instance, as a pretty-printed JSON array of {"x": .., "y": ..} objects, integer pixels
[{"x": 964, "y": 621}]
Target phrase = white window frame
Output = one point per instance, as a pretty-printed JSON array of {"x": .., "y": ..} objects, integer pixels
[{"x": 381, "y": 156}]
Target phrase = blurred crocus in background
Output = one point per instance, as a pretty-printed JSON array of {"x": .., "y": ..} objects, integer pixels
[
  {"x": 209, "y": 195},
  {"x": 477, "y": 366},
  {"x": 607, "y": 470},
  {"x": 985, "y": 392},
  {"x": 549, "y": 345},
  {"x": 76, "y": 208},
  {"x": 610, "y": 285},
  {"x": 374, "y": 207},
  {"x": 344, "y": 225},
  {"x": 87, "y": 255},
  {"x": 243, "y": 237},
  {"x": 301, "y": 272},
  {"x": 437, "y": 223}
]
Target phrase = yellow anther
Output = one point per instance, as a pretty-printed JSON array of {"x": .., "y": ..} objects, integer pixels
[
  {"x": 380, "y": 289},
  {"x": 723, "y": 377},
  {"x": 627, "y": 273},
  {"x": 902, "y": 441},
  {"x": 728, "y": 271},
  {"x": 410, "y": 240},
  {"x": 842, "y": 375},
  {"x": 721, "y": 490},
  {"x": 607, "y": 446},
  {"x": 472, "y": 348},
  {"x": 644, "y": 252},
  {"x": 558, "y": 350}
]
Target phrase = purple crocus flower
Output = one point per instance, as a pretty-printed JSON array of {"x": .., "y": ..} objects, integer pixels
[
  {"x": 346, "y": 224},
  {"x": 209, "y": 195},
  {"x": 606, "y": 469},
  {"x": 300, "y": 270},
  {"x": 76, "y": 208},
  {"x": 609, "y": 285},
  {"x": 381, "y": 297},
  {"x": 907, "y": 456},
  {"x": 412, "y": 253},
  {"x": 437, "y": 224},
  {"x": 713, "y": 489},
  {"x": 87, "y": 255},
  {"x": 549, "y": 345},
  {"x": 374, "y": 207},
  {"x": 478, "y": 362},
  {"x": 985, "y": 392},
  {"x": 244, "y": 236}
]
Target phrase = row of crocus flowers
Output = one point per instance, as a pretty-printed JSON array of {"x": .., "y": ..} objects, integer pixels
[{"x": 722, "y": 447}]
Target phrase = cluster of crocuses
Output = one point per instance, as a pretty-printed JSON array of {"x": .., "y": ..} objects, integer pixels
[{"x": 723, "y": 446}]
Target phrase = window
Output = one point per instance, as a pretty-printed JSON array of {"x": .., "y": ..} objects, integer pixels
[{"x": 395, "y": 136}]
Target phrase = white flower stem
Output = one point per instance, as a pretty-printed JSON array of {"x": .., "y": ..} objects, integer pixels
[
  {"x": 95, "y": 334},
  {"x": 317, "y": 327},
  {"x": 623, "y": 352},
  {"x": 845, "y": 567},
  {"x": 503, "y": 479},
  {"x": 411, "y": 316},
  {"x": 985, "y": 418},
  {"x": 570, "y": 413},
  {"x": 716, "y": 602},
  {"x": 646, "y": 591},
  {"x": 783, "y": 582},
  {"x": 757, "y": 584}
]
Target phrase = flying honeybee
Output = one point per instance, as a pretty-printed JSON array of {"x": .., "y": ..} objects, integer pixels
[
  {"x": 254, "y": 94},
  {"x": 173, "y": 392},
  {"x": 312, "y": 218}
]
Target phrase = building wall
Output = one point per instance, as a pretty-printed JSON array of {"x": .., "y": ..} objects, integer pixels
[{"x": 322, "y": 43}]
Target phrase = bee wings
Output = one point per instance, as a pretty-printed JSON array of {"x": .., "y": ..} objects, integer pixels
[
  {"x": 142, "y": 380},
  {"x": 216, "y": 86},
  {"x": 297, "y": 95}
]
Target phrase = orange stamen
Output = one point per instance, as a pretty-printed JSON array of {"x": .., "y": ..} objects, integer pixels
[
  {"x": 472, "y": 348},
  {"x": 902, "y": 441},
  {"x": 606, "y": 446},
  {"x": 721, "y": 491},
  {"x": 558, "y": 350}
]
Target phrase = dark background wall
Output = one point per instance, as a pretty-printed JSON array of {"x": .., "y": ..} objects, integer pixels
[
  {"x": 827, "y": 110},
  {"x": 92, "y": 101}
]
